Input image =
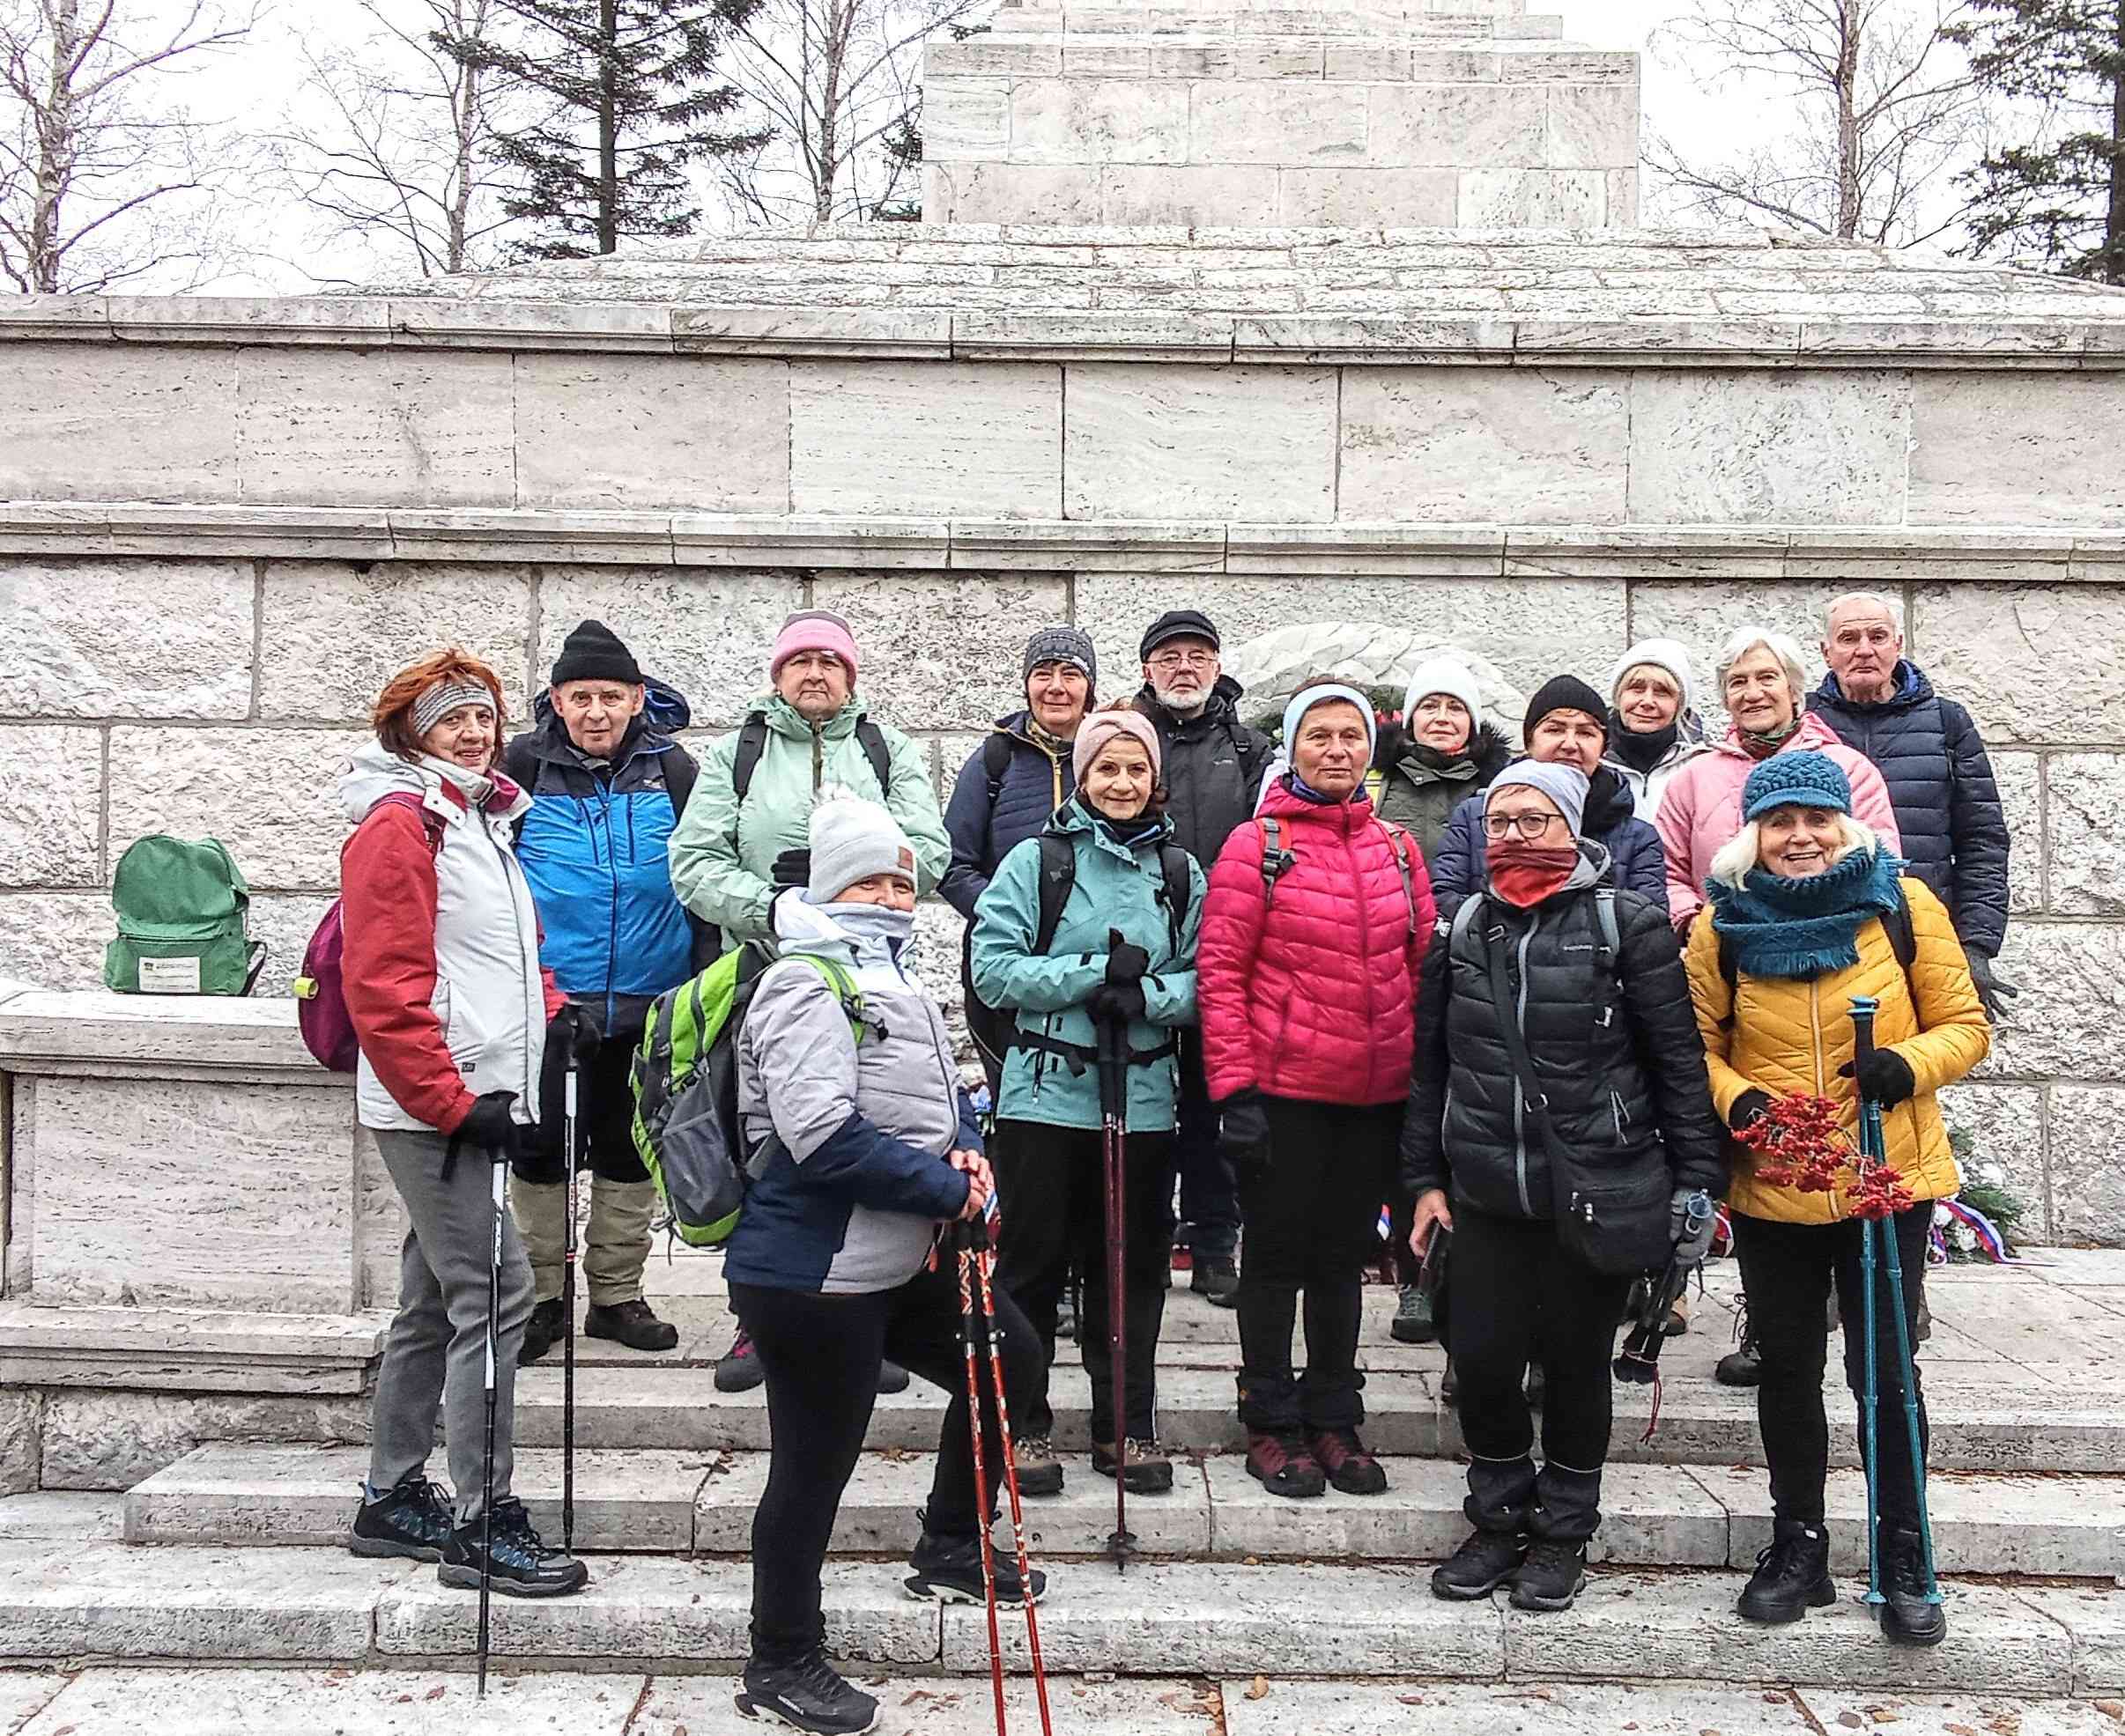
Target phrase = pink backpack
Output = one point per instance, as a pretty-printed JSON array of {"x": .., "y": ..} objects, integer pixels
[{"x": 321, "y": 1001}]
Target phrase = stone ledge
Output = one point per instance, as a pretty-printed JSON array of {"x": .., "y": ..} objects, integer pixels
[
  {"x": 188, "y": 1350},
  {"x": 47, "y": 1030}
]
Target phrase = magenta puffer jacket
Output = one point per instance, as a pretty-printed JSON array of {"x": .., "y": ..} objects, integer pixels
[{"x": 1312, "y": 995}]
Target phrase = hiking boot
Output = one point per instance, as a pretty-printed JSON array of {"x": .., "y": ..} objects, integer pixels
[
  {"x": 1538, "y": 1385},
  {"x": 630, "y": 1324},
  {"x": 1553, "y": 1573},
  {"x": 1146, "y": 1469},
  {"x": 892, "y": 1377},
  {"x": 542, "y": 1331},
  {"x": 810, "y": 1696},
  {"x": 1217, "y": 1279},
  {"x": 1485, "y": 1561},
  {"x": 411, "y": 1519},
  {"x": 1792, "y": 1576},
  {"x": 1282, "y": 1464},
  {"x": 948, "y": 1570},
  {"x": 1909, "y": 1617},
  {"x": 524, "y": 1567},
  {"x": 1348, "y": 1465},
  {"x": 1040, "y": 1471},
  {"x": 739, "y": 1370},
  {"x": 1449, "y": 1385},
  {"x": 1413, "y": 1323},
  {"x": 1740, "y": 1367}
]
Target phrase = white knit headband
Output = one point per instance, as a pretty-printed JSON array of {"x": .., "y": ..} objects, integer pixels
[{"x": 442, "y": 696}]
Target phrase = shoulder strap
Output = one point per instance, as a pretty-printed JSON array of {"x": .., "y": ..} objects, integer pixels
[
  {"x": 1604, "y": 913},
  {"x": 1399, "y": 840},
  {"x": 1173, "y": 863},
  {"x": 996, "y": 761},
  {"x": 1471, "y": 907},
  {"x": 679, "y": 773},
  {"x": 1903, "y": 937},
  {"x": 1531, "y": 1094},
  {"x": 873, "y": 740},
  {"x": 1728, "y": 968},
  {"x": 844, "y": 987},
  {"x": 752, "y": 743},
  {"x": 1245, "y": 745},
  {"x": 1058, "y": 874},
  {"x": 1276, "y": 860},
  {"x": 431, "y": 825}
]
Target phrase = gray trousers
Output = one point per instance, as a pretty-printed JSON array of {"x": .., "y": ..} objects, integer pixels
[{"x": 436, "y": 1350}]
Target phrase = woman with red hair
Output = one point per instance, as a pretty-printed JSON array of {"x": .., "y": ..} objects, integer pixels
[{"x": 442, "y": 981}]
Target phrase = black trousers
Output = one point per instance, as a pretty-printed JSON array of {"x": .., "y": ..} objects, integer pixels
[
  {"x": 605, "y": 1121},
  {"x": 1787, "y": 1270},
  {"x": 1518, "y": 1297},
  {"x": 1210, "y": 1191},
  {"x": 1311, "y": 1219},
  {"x": 1051, "y": 1191},
  {"x": 821, "y": 1355}
]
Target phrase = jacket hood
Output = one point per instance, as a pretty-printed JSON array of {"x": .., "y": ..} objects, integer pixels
[
  {"x": 664, "y": 712},
  {"x": 1487, "y": 754},
  {"x": 1914, "y": 687},
  {"x": 1224, "y": 698},
  {"x": 1278, "y": 801},
  {"x": 784, "y": 718},
  {"x": 1812, "y": 733},
  {"x": 374, "y": 772},
  {"x": 1075, "y": 818},
  {"x": 806, "y": 927}
]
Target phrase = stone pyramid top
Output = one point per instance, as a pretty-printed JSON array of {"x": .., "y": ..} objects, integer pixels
[{"x": 1445, "y": 114}]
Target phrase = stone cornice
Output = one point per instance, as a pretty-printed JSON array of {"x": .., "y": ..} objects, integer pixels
[{"x": 871, "y": 543}]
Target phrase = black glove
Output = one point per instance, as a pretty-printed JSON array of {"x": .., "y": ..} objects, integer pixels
[
  {"x": 792, "y": 868},
  {"x": 1748, "y": 1107},
  {"x": 1993, "y": 994},
  {"x": 1117, "y": 1003},
  {"x": 1886, "y": 1078},
  {"x": 1125, "y": 962},
  {"x": 1243, "y": 1132},
  {"x": 491, "y": 1127},
  {"x": 570, "y": 1032}
]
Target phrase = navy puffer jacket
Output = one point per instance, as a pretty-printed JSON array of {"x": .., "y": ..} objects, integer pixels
[
  {"x": 1941, "y": 786},
  {"x": 985, "y": 828},
  {"x": 1635, "y": 862}
]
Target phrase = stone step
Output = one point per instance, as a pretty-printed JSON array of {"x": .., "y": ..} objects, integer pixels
[
  {"x": 99, "y": 1600},
  {"x": 674, "y": 1502}
]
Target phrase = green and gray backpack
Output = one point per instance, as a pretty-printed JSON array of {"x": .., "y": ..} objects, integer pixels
[
  {"x": 181, "y": 908},
  {"x": 686, "y": 1128}
]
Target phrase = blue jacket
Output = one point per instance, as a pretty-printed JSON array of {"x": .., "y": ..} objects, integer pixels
[
  {"x": 594, "y": 847},
  {"x": 1636, "y": 864},
  {"x": 1941, "y": 786},
  {"x": 987, "y": 824},
  {"x": 1050, "y": 1078}
]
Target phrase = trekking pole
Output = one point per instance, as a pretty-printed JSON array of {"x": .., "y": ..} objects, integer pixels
[
  {"x": 1113, "y": 1099},
  {"x": 486, "y": 1498},
  {"x": 568, "y": 1085},
  {"x": 962, "y": 1239},
  {"x": 984, "y": 1265},
  {"x": 1874, "y": 1150}
]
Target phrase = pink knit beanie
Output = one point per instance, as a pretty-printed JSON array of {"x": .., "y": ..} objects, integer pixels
[
  {"x": 1101, "y": 728},
  {"x": 814, "y": 630}
]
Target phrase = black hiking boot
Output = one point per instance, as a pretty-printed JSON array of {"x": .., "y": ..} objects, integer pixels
[
  {"x": 1553, "y": 1573},
  {"x": 1792, "y": 1576},
  {"x": 1285, "y": 1465},
  {"x": 738, "y": 1368},
  {"x": 1485, "y": 1561},
  {"x": 948, "y": 1570},
  {"x": 541, "y": 1330},
  {"x": 412, "y": 1520},
  {"x": 892, "y": 1377},
  {"x": 1743, "y": 1365},
  {"x": 1216, "y": 1278},
  {"x": 1908, "y": 1618},
  {"x": 630, "y": 1324},
  {"x": 809, "y": 1696},
  {"x": 1349, "y": 1467},
  {"x": 524, "y": 1567},
  {"x": 1413, "y": 1323}
]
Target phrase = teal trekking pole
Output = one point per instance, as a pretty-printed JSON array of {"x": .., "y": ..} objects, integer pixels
[{"x": 1873, "y": 1153}]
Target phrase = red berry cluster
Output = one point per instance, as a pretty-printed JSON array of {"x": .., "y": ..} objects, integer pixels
[{"x": 1803, "y": 1147}]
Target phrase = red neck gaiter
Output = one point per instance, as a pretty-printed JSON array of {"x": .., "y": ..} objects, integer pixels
[{"x": 1525, "y": 874}]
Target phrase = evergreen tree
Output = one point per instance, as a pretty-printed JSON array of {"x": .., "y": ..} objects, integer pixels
[
  {"x": 635, "y": 104},
  {"x": 2058, "y": 197}
]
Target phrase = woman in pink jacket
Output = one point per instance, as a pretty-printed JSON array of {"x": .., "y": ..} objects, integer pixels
[
  {"x": 1315, "y": 924},
  {"x": 1765, "y": 689}
]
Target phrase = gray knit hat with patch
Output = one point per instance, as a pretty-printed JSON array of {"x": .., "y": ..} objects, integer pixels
[
  {"x": 1061, "y": 644},
  {"x": 853, "y": 839}
]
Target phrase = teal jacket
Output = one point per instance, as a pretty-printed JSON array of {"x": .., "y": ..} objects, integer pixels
[
  {"x": 722, "y": 854},
  {"x": 1117, "y": 886}
]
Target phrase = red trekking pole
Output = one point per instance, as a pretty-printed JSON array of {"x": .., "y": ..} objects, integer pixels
[{"x": 963, "y": 1241}]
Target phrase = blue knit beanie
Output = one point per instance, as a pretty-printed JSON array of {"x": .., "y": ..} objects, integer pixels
[{"x": 1806, "y": 780}]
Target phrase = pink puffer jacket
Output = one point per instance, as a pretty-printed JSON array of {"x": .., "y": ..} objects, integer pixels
[
  {"x": 1700, "y": 809},
  {"x": 1313, "y": 996}
]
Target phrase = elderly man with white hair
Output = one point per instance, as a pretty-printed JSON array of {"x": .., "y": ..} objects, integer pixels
[
  {"x": 1765, "y": 693},
  {"x": 1939, "y": 778}
]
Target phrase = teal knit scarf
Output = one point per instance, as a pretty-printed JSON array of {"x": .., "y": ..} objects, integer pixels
[{"x": 1805, "y": 928}]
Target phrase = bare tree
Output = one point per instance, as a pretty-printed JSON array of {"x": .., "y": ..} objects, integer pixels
[
  {"x": 390, "y": 140},
  {"x": 104, "y": 178},
  {"x": 1883, "y": 108},
  {"x": 838, "y": 84}
]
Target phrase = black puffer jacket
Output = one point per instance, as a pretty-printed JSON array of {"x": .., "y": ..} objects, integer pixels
[
  {"x": 1419, "y": 790},
  {"x": 1941, "y": 785},
  {"x": 1212, "y": 765},
  {"x": 1614, "y": 1041}
]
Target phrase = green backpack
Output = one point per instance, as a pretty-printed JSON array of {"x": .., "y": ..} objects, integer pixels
[
  {"x": 685, "y": 1071},
  {"x": 181, "y": 908}
]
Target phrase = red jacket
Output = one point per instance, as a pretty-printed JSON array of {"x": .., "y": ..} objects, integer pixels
[{"x": 1313, "y": 996}]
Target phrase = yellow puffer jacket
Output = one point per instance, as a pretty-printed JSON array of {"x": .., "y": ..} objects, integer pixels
[{"x": 1788, "y": 1038}]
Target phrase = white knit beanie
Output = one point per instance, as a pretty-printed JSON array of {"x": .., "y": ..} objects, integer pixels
[
  {"x": 1662, "y": 654},
  {"x": 1443, "y": 675},
  {"x": 851, "y": 840}
]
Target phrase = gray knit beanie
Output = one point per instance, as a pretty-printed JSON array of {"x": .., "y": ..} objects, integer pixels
[
  {"x": 1061, "y": 644},
  {"x": 851, "y": 840},
  {"x": 1565, "y": 785}
]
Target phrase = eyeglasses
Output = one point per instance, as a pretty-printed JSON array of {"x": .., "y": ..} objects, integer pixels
[
  {"x": 1184, "y": 659},
  {"x": 1529, "y": 826}
]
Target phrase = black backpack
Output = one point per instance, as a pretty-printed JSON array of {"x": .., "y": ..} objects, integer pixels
[
  {"x": 1059, "y": 874},
  {"x": 752, "y": 743}
]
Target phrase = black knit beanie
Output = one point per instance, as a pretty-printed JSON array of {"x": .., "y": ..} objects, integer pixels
[
  {"x": 1564, "y": 693},
  {"x": 592, "y": 652}
]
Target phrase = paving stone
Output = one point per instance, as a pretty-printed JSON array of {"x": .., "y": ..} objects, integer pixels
[
  {"x": 1209, "y": 1619},
  {"x": 1429, "y": 1707},
  {"x": 1953, "y": 1715},
  {"x": 932, "y": 1706},
  {"x": 345, "y": 1703},
  {"x": 62, "y": 1516},
  {"x": 23, "y": 1692},
  {"x": 1684, "y": 1628},
  {"x": 2096, "y": 1621},
  {"x": 651, "y": 1608}
]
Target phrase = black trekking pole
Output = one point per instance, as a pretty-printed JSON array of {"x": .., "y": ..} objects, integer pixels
[
  {"x": 568, "y": 1254},
  {"x": 1113, "y": 1110},
  {"x": 487, "y": 1499}
]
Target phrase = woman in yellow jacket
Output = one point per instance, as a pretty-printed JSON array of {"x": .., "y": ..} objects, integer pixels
[{"x": 1803, "y": 904}]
